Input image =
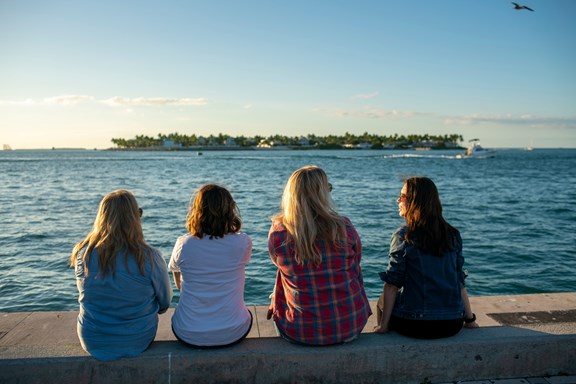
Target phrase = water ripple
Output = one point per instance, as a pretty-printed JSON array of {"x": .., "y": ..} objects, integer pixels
[{"x": 516, "y": 212}]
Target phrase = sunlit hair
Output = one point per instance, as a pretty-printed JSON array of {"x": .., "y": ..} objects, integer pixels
[
  {"x": 116, "y": 230},
  {"x": 426, "y": 228},
  {"x": 308, "y": 213},
  {"x": 213, "y": 212}
]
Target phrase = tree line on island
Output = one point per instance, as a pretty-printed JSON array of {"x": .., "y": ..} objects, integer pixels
[{"x": 348, "y": 140}]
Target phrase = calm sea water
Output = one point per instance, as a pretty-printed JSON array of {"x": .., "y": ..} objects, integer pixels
[{"x": 516, "y": 212}]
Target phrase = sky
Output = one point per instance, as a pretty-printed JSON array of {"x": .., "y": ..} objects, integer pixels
[{"x": 77, "y": 73}]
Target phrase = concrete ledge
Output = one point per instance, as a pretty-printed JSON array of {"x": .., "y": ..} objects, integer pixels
[
  {"x": 42, "y": 347},
  {"x": 473, "y": 354}
]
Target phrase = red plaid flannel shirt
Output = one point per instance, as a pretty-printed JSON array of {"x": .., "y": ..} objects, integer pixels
[{"x": 324, "y": 304}]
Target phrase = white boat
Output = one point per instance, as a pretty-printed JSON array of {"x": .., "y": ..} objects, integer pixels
[
  {"x": 6, "y": 147},
  {"x": 476, "y": 151}
]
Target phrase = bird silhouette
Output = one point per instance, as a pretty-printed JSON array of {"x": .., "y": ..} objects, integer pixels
[{"x": 518, "y": 6}]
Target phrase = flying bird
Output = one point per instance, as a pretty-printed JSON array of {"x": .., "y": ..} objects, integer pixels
[{"x": 518, "y": 6}]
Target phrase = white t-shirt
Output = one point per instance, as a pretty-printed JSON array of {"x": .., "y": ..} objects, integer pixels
[{"x": 211, "y": 310}]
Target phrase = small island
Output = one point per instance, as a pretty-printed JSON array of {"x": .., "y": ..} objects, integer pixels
[{"x": 176, "y": 141}]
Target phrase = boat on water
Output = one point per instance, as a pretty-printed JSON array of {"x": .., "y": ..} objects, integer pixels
[
  {"x": 7, "y": 147},
  {"x": 476, "y": 151}
]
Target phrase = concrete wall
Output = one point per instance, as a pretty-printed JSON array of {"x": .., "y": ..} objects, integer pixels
[
  {"x": 489, "y": 352},
  {"x": 473, "y": 354}
]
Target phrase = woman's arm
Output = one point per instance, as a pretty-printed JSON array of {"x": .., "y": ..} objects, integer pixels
[
  {"x": 389, "y": 296},
  {"x": 468, "y": 310},
  {"x": 272, "y": 244},
  {"x": 161, "y": 282},
  {"x": 177, "y": 279}
]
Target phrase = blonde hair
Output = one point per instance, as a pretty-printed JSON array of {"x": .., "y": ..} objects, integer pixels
[
  {"x": 308, "y": 213},
  {"x": 117, "y": 229}
]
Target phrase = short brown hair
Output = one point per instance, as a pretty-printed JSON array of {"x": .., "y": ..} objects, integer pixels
[{"x": 213, "y": 212}]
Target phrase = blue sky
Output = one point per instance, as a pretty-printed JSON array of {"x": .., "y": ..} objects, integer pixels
[{"x": 77, "y": 73}]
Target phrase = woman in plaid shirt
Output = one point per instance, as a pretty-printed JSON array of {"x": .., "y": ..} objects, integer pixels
[{"x": 319, "y": 296}]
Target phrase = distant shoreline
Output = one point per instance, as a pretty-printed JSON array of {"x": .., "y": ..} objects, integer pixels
[
  {"x": 224, "y": 148},
  {"x": 278, "y": 148}
]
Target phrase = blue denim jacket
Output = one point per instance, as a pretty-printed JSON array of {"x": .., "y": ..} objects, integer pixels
[{"x": 429, "y": 286}]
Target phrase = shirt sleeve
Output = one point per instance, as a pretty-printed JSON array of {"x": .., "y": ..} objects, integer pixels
[
  {"x": 460, "y": 261},
  {"x": 174, "y": 263},
  {"x": 272, "y": 241},
  {"x": 161, "y": 282},
  {"x": 248, "y": 251},
  {"x": 396, "y": 271}
]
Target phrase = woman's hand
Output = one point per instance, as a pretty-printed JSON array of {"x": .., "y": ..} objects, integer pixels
[
  {"x": 380, "y": 329},
  {"x": 471, "y": 325}
]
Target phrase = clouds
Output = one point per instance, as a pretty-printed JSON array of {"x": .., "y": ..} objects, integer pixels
[
  {"x": 366, "y": 96},
  {"x": 369, "y": 112},
  {"x": 349, "y": 111},
  {"x": 116, "y": 101},
  {"x": 503, "y": 120},
  {"x": 513, "y": 120},
  {"x": 68, "y": 99}
]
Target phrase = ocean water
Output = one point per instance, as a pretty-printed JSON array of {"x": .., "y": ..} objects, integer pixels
[{"x": 516, "y": 212}]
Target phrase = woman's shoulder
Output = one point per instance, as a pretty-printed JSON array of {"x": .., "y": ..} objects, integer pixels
[
  {"x": 154, "y": 251},
  {"x": 400, "y": 232},
  {"x": 457, "y": 238},
  {"x": 346, "y": 220},
  {"x": 156, "y": 255},
  {"x": 238, "y": 236},
  {"x": 398, "y": 238},
  {"x": 348, "y": 223},
  {"x": 185, "y": 238},
  {"x": 277, "y": 226}
]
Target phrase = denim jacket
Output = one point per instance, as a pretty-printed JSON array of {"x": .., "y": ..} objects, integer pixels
[{"x": 429, "y": 286}]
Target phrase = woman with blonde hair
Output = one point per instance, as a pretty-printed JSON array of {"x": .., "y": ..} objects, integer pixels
[
  {"x": 122, "y": 282},
  {"x": 319, "y": 296},
  {"x": 208, "y": 266}
]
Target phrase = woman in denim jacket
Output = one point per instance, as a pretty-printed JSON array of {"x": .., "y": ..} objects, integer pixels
[{"x": 424, "y": 295}]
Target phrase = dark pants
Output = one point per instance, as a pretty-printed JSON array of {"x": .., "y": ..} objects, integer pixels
[
  {"x": 420, "y": 329},
  {"x": 426, "y": 329},
  {"x": 216, "y": 346}
]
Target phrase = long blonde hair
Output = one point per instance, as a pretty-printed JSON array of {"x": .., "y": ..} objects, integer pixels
[
  {"x": 308, "y": 213},
  {"x": 117, "y": 229}
]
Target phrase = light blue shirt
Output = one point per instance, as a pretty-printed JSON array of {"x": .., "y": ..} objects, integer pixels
[{"x": 119, "y": 312}]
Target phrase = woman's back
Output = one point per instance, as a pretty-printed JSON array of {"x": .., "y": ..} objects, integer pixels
[
  {"x": 119, "y": 311},
  {"x": 319, "y": 304},
  {"x": 431, "y": 284},
  {"x": 211, "y": 309}
]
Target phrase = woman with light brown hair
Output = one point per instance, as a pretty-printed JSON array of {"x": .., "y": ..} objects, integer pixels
[
  {"x": 208, "y": 268},
  {"x": 122, "y": 282},
  {"x": 319, "y": 296}
]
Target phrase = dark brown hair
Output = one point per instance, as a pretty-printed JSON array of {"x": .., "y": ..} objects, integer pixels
[
  {"x": 426, "y": 228},
  {"x": 213, "y": 212}
]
